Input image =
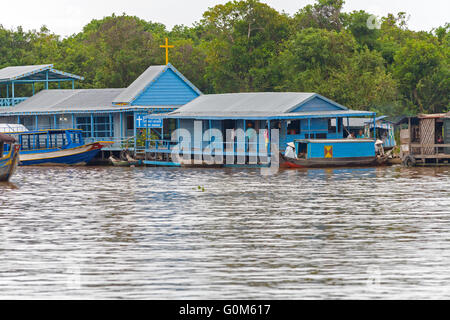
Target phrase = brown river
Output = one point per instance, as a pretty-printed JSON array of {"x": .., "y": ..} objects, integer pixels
[{"x": 172, "y": 233}]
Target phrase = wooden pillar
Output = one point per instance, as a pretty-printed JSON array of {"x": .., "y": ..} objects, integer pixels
[
  {"x": 12, "y": 89},
  {"x": 337, "y": 127},
  {"x": 46, "y": 80},
  {"x": 110, "y": 126},
  {"x": 270, "y": 141},
  {"x": 92, "y": 125},
  {"x": 121, "y": 125},
  {"x": 375, "y": 127}
]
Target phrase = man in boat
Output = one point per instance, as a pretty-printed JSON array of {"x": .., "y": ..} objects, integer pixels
[{"x": 351, "y": 136}]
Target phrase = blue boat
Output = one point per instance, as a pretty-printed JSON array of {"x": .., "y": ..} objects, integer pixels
[
  {"x": 317, "y": 153},
  {"x": 56, "y": 147},
  {"x": 9, "y": 159}
]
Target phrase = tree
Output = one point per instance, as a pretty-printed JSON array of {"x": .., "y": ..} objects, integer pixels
[
  {"x": 325, "y": 14},
  {"x": 243, "y": 36},
  {"x": 422, "y": 70}
]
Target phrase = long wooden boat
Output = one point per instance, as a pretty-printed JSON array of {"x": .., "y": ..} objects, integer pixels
[
  {"x": 56, "y": 147},
  {"x": 323, "y": 153},
  {"x": 9, "y": 160}
]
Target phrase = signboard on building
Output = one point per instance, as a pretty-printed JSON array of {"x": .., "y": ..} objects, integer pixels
[{"x": 147, "y": 121}]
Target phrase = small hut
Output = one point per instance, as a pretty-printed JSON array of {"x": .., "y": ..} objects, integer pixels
[{"x": 425, "y": 139}]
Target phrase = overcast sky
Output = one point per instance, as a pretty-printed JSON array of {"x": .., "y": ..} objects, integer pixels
[{"x": 65, "y": 17}]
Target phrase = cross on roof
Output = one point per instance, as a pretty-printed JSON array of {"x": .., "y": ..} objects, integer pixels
[{"x": 166, "y": 46}]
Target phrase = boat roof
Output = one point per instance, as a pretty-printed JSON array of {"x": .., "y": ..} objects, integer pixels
[
  {"x": 44, "y": 131},
  {"x": 333, "y": 140}
]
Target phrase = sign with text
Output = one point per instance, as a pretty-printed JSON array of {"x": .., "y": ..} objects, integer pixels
[{"x": 146, "y": 121}]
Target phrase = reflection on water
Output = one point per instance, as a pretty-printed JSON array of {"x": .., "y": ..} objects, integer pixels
[{"x": 152, "y": 233}]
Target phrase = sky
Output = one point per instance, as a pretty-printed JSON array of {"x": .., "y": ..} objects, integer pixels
[{"x": 66, "y": 17}]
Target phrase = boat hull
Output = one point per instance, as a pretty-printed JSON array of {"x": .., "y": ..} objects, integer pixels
[
  {"x": 286, "y": 162},
  {"x": 8, "y": 164},
  {"x": 65, "y": 157}
]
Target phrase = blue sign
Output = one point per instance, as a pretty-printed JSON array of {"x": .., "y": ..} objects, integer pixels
[{"x": 146, "y": 121}]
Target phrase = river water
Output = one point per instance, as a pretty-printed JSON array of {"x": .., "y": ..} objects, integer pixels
[{"x": 173, "y": 233}]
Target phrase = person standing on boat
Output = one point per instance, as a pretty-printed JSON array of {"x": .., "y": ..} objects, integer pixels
[{"x": 290, "y": 151}]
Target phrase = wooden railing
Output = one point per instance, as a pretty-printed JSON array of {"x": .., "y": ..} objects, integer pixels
[{"x": 421, "y": 147}]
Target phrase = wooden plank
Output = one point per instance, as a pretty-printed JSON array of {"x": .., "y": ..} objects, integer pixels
[{"x": 427, "y": 135}]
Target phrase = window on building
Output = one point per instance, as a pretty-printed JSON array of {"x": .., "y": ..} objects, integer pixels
[
  {"x": 84, "y": 123},
  {"x": 130, "y": 122},
  {"x": 294, "y": 127},
  {"x": 102, "y": 127}
]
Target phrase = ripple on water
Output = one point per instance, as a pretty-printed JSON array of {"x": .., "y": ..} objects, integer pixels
[{"x": 105, "y": 232}]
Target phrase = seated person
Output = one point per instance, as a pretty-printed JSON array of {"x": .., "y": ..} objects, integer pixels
[
  {"x": 360, "y": 135},
  {"x": 351, "y": 136}
]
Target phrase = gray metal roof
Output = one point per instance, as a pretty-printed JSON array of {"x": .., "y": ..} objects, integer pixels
[
  {"x": 67, "y": 100},
  {"x": 255, "y": 116},
  {"x": 236, "y": 104},
  {"x": 139, "y": 84},
  {"x": 35, "y": 72}
]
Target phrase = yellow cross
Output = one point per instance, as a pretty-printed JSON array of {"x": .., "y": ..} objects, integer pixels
[
  {"x": 167, "y": 50},
  {"x": 328, "y": 151}
]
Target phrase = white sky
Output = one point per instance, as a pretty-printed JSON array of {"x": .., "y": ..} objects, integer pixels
[{"x": 65, "y": 17}]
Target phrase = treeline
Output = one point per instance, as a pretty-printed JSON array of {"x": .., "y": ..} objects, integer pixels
[{"x": 246, "y": 46}]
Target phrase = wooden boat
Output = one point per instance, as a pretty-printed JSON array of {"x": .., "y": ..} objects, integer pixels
[
  {"x": 56, "y": 147},
  {"x": 123, "y": 163},
  {"x": 8, "y": 160},
  {"x": 322, "y": 153}
]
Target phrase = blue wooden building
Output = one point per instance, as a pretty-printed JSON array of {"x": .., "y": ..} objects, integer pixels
[
  {"x": 103, "y": 114},
  {"x": 296, "y": 115}
]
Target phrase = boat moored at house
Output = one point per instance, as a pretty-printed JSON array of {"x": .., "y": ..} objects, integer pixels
[
  {"x": 8, "y": 159},
  {"x": 56, "y": 147},
  {"x": 319, "y": 153},
  {"x": 247, "y": 129},
  {"x": 111, "y": 114}
]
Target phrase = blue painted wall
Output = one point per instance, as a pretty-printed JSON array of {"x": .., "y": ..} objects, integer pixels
[
  {"x": 317, "y": 104},
  {"x": 343, "y": 149},
  {"x": 168, "y": 89}
]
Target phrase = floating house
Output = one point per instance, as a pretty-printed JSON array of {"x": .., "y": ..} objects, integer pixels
[
  {"x": 425, "y": 139},
  {"x": 296, "y": 115},
  {"x": 103, "y": 114}
]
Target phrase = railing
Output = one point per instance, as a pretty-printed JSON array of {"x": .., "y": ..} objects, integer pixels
[
  {"x": 222, "y": 148},
  {"x": 8, "y": 102},
  {"x": 430, "y": 149},
  {"x": 120, "y": 143}
]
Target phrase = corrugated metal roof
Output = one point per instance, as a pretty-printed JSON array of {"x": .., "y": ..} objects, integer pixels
[
  {"x": 251, "y": 105},
  {"x": 34, "y": 72},
  {"x": 67, "y": 100},
  {"x": 268, "y": 115},
  {"x": 10, "y": 73},
  {"x": 130, "y": 93},
  {"x": 236, "y": 104}
]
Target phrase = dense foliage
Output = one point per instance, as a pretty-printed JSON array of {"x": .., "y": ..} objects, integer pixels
[{"x": 245, "y": 46}]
